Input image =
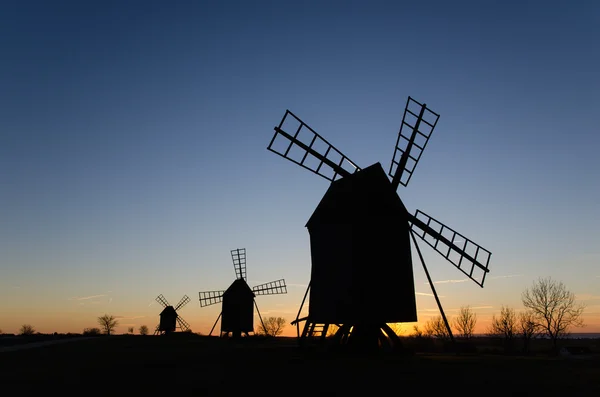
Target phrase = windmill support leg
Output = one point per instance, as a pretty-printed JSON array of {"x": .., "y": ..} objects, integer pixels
[
  {"x": 437, "y": 299},
  {"x": 300, "y": 310},
  {"x": 260, "y": 317},
  {"x": 215, "y": 324}
]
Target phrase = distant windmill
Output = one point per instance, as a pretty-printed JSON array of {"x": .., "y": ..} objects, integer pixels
[
  {"x": 169, "y": 318},
  {"x": 237, "y": 311},
  {"x": 360, "y": 235}
]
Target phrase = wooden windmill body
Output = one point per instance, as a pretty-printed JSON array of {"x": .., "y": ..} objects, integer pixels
[
  {"x": 361, "y": 232},
  {"x": 238, "y": 301}
]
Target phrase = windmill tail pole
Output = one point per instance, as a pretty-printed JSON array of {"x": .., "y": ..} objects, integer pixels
[
  {"x": 437, "y": 299},
  {"x": 296, "y": 322},
  {"x": 260, "y": 317},
  {"x": 215, "y": 324}
]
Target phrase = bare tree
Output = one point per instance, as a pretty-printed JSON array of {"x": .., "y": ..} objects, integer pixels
[
  {"x": 417, "y": 332},
  {"x": 26, "y": 329},
  {"x": 465, "y": 322},
  {"x": 526, "y": 329},
  {"x": 273, "y": 326},
  {"x": 130, "y": 330},
  {"x": 108, "y": 323},
  {"x": 437, "y": 327},
  {"x": 553, "y": 308},
  {"x": 91, "y": 331},
  {"x": 144, "y": 330},
  {"x": 505, "y": 326}
]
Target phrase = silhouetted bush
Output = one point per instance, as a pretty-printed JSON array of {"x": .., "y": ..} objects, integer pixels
[{"x": 92, "y": 332}]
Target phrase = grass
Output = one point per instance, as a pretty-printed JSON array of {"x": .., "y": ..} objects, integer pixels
[{"x": 193, "y": 365}]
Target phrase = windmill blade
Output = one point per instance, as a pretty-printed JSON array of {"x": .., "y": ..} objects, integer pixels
[
  {"x": 297, "y": 142},
  {"x": 239, "y": 262},
  {"x": 272, "y": 288},
  {"x": 161, "y": 299},
  {"x": 210, "y": 297},
  {"x": 419, "y": 123},
  {"x": 470, "y": 258},
  {"x": 183, "y": 325},
  {"x": 184, "y": 301}
]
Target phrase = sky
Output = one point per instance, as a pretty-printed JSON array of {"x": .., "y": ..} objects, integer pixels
[{"x": 134, "y": 134}]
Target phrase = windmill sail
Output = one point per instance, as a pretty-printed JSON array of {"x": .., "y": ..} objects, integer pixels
[
  {"x": 161, "y": 299},
  {"x": 469, "y": 257},
  {"x": 272, "y": 288},
  {"x": 297, "y": 142},
  {"x": 183, "y": 325},
  {"x": 182, "y": 302},
  {"x": 416, "y": 128},
  {"x": 208, "y": 298},
  {"x": 239, "y": 262}
]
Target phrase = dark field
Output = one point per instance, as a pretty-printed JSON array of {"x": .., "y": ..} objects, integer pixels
[{"x": 191, "y": 365}]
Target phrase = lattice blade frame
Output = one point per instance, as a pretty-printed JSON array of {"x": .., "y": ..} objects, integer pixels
[
  {"x": 183, "y": 325},
  {"x": 239, "y": 262},
  {"x": 468, "y": 257},
  {"x": 271, "y": 288},
  {"x": 418, "y": 123},
  {"x": 184, "y": 301},
  {"x": 297, "y": 142},
  {"x": 161, "y": 299},
  {"x": 208, "y": 298}
]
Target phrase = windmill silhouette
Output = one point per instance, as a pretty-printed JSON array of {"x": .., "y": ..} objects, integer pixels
[
  {"x": 237, "y": 310},
  {"x": 361, "y": 232},
  {"x": 169, "y": 318}
]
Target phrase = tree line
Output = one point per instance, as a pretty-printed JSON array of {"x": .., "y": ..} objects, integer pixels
[{"x": 550, "y": 311}]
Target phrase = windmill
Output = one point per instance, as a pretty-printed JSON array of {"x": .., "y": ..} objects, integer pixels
[
  {"x": 361, "y": 232},
  {"x": 237, "y": 310},
  {"x": 169, "y": 318}
]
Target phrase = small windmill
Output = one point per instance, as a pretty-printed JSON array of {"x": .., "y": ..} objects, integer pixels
[
  {"x": 169, "y": 318},
  {"x": 361, "y": 232},
  {"x": 237, "y": 310}
]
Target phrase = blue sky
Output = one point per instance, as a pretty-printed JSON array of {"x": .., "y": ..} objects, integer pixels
[{"x": 134, "y": 133}]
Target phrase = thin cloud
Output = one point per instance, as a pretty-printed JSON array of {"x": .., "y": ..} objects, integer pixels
[
  {"x": 507, "y": 276},
  {"x": 129, "y": 318},
  {"x": 426, "y": 294},
  {"x": 109, "y": 300},
  {"x": 84, "y": 298},
  {"x": 449, "y": 281}
]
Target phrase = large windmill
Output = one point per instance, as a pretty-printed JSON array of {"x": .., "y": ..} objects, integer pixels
[
  {"x": 169, "y": 318},
  {"x": 237, "y": 310},
  {"x": 361, "y": 232}
]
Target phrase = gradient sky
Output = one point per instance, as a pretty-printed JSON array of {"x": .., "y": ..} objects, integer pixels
[{"x": 133, "y": 141}]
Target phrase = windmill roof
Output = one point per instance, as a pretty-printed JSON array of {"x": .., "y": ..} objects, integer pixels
[
  {"x": 361, "y": 195},
  {"x": 239, "y": 287},
  {"x": 169, "y": 310}
]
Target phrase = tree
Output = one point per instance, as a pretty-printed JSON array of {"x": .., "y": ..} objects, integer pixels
[
  {"x": 92, "y": 331},
  {"x": 553, "y": 308},
  {"x": 465, "y": 322},
  {"x": 108, "y": 323},
  {"x": 130, "y": 330},
  {"x": 526, "y": 328},
  {"x": 143, "y": 330},
  {"x": 505, "y": 326},
  {"x": 273, "y": 326},
  {"x": 417, "y": 332},
  {"x": 26, "y": 330},
  {"x": 437, "y": 327}
]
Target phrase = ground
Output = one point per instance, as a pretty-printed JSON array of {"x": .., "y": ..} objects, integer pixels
[{"x": 192, "y": 365}]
